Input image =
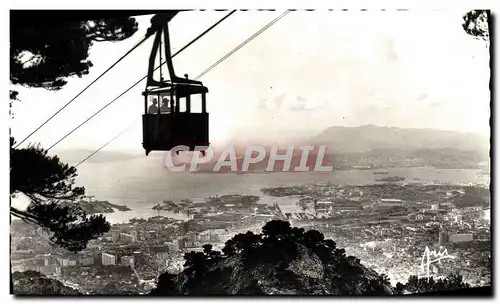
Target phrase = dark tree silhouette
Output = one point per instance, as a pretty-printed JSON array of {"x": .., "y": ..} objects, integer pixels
[
  {"x": 50, "y": 186},
  {"x": 43, "y": 56},
  {"x": 166, "y": 285},
  {"x": 12, "y": 98},
  {"x": 477, "y": 24},
  {"x": 276, "y": 229},
  {"x": 423, "y": 285}
]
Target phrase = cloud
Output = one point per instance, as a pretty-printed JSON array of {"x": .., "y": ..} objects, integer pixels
[
  {"x": 276, "y": 104},
  {"x": 278, "y": 101},
  {"x": 303, "y": 104},
  {"x": 423, "y": 97},
  {"x": 262, "y": 104},
  {"x": 390, "y": 50},
  {"x": 435, "y": 104}
]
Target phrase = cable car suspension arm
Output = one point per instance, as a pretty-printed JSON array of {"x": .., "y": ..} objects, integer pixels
[{"x": 140, "y": 80}]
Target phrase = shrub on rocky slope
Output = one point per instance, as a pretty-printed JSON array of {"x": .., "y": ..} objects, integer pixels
[
  {"x": 281, "y": 260},
  {"x": 35, "y": 283}
]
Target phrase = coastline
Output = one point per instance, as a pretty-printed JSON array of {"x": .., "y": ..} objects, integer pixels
[{"x": 197, "y": 187}]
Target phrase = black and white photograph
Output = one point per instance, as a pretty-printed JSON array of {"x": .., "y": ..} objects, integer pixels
[{"x": 251, "y": 152}]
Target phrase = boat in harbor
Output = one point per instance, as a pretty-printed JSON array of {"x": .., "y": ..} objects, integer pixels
[{"x": 380, "y": 172}]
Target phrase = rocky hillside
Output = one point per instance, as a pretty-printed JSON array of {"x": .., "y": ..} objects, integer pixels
[
  {"x": 280, "y": 261},
  {"x": 35, "y": 283}
]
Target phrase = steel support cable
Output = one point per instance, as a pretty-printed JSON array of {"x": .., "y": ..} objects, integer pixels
[
  {"x": 103, "y": 146},
  {"x": 243, "y": 43},
  {"x": 199, "y": 76},
  {"x": 139, "y": 81},
  {"x": 85, "y": 89}
]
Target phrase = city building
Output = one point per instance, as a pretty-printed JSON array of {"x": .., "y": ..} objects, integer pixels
[
  {"x": 71, "y": 262},
  {"x": 443, "y": 237},
  {"x": 204, "y": 237},
  {"x": 125, "y": 237},
  {"x": 139, "y": 257},
  {"x": 184, "y": 228},
  {"x": 391, "y": 200},
  {"x": 172, "y": 246},
  {"x": 463, "y": 237},
  {"x": 63, "y": 262},
  {"x": 133, "y": 234},
  {"x": 191, "y": 237},
  {"x": 152, "y": 234},
  {"x": 127, "y": 260},
  {"x": 181, "y": 243},
  {"x": 158, "y": 248},
  {"x": 486, "y": 214},
  {"x": 108, "y": 259},
  {"x": 96, "y": 256},
  {"x": 115, "y": 236},
  {"x": 86, "y": 261}
]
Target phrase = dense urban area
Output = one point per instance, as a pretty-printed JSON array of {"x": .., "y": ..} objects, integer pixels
[{"x": 386, "y": 225}]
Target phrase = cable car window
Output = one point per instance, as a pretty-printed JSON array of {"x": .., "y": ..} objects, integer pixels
[
  {"x": 196, "y": 104},
  {"x": 153, "y": 105},
  {"x": 165, "y": 105}
]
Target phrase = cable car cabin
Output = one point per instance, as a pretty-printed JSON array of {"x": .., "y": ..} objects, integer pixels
[{"x": 165, "y": 126}]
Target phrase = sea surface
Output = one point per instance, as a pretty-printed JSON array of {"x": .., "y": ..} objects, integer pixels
[{"x": 140, "y": 184}]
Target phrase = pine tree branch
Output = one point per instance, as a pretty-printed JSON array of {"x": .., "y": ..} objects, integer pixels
[{"x": 23, "y": 215}]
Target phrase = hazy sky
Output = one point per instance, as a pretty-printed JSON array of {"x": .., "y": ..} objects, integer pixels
[{"x": 406, "y": 69}]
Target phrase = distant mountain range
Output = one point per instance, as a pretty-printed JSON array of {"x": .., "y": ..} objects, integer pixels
[
  {"x": 370, "y": 137},
  {"x": 383, "y": 147}
]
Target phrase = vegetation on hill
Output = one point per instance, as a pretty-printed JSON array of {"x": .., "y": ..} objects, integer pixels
[
  {"x": 35, "y": 283},
  {"x": 423, "y": 285},
  {"x": 284, "y": 260}
]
